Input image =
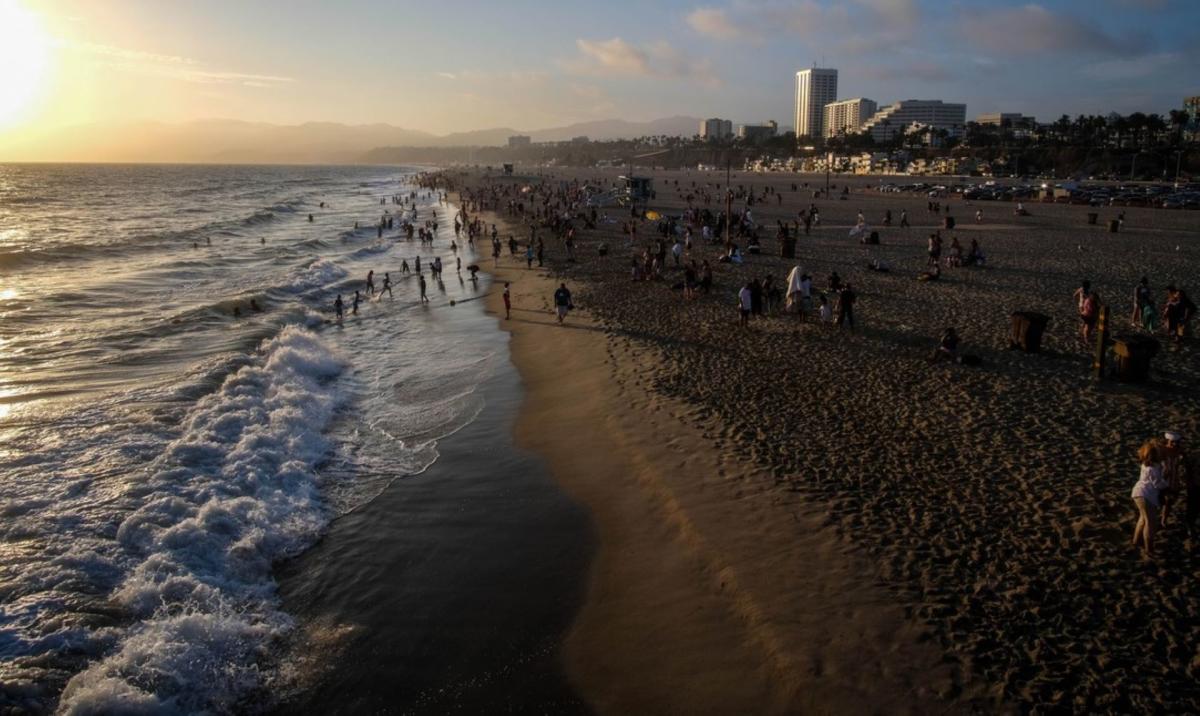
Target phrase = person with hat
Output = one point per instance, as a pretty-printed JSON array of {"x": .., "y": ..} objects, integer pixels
[{"x": 1182, "y": 474}]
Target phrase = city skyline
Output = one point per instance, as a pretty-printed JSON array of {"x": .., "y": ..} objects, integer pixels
[{"x": 366, "y": 63}]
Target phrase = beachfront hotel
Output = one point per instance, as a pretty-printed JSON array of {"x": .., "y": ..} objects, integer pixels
[
  {"x": 846, "y": 116},
  {"x": 932, "y": 113},
  {"x": 716, "y": 128},
  {"x": 756, "y": 132},
  {"x": 815, "y": 88}
]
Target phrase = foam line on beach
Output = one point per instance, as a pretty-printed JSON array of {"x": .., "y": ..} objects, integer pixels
[{"x": 234, "y": 493}]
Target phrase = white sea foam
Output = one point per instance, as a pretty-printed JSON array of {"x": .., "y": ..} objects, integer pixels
[{"x": 234, "y": 493}]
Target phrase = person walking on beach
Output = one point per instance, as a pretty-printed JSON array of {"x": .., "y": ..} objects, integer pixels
[
  {"x": 1187, "y": 465},
  {"x": 424, "y": 298},
  {"x": 562, "y": 302},
  {"x": 1141, "y": 297},
  {"x": 1089, "y": 314},
  {"x": 1173, "y": 472},
  {"x": 1087, "y": 309},
  {"x": 1146, "y": 496},
  {"x": 845, "y": 307},
  {"x": 507, "y": 303},
  {"x": 1177, "y": 311},
  {"x": 745, "y": 304},
  {"x": 339, "y": 307}
]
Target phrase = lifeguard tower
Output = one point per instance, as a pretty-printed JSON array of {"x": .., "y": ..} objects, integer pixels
[{"x": 638, "y": 188}]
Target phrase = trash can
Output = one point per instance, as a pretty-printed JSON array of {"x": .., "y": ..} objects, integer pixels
[
  {"x": 1114, "y": 225},
  {"x": 1131, "y": 357},
  {"x": 1026, "y": 329},
  {"x": 787, "y": 248},
  {"x": 1092, "y": 216}
]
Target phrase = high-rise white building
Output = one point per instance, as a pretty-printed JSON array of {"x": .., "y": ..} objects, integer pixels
[
  {"x": 716, "y": 128},
  {"x": 815, "y": 88},
  {"x": 933, "y": 113},
  {"x": 847, "y": 115}
]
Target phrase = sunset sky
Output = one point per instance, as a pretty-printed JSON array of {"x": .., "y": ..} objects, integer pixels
[{"x": 457, "y": 65}]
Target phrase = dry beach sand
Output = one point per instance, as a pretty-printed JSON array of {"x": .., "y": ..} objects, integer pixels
[{"x": 797, "y": 518}]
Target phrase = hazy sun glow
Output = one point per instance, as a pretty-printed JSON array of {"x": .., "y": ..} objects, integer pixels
[{"x": 24, "y": 57}]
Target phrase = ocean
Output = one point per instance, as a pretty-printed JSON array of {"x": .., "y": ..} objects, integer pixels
[{"x": 179, "y": 413}]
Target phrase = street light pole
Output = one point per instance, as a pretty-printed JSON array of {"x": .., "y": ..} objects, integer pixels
[
  {"x": 1178, "y": 161},
  {"x": 828, "y": 168},
  {"x": 728, "y": 200}
]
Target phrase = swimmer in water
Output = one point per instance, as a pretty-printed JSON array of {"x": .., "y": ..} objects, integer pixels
[
  {"x": 254, "y": 306},
  {"x": 262, "y": 240},
  {"x": 310, "y": 218},
  {"x": 339, "y": 306}
]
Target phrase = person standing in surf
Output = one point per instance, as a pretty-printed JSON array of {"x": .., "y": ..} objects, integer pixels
[
  {"x": 387, "y": 285},
  {"x": 507, "y": 303},
  {"x": 424, "y": 298},
  {"x": 339, "y": 307},
  {"x": 562, "y": 302},
  {"x": 354, "y": 306},
  {"x": 370, "y": 283}
]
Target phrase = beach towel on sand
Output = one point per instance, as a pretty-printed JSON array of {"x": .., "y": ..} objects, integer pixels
[{"x": 793, "y": 287}]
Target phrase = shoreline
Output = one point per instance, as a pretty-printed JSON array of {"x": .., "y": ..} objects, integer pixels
[
  {"x": 691, "y": 602},
  {"x": 987, "y": 505}
]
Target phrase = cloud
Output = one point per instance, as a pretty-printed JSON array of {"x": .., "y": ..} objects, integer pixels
[
  {"x": 175, "y": 67},
  {"x": 1034, "y": 29},
  {"x": 618, "y": 58},
  {"x": 715, "y": 22},
  {"x": 894, "y": 13},
  {"x": 614, "y": 56},
  {"x": 854, "y": 20},
  {"x": 121, "y": 53},
  {"x": 446, "y": 75},
  {"x": 1134, "y": 67},
  {"x": 1141, "y": 4},
  {"x": 924, "y": 71}
]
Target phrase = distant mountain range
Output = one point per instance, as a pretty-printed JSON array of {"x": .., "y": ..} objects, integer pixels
[{"x": 232, "y": 141}]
